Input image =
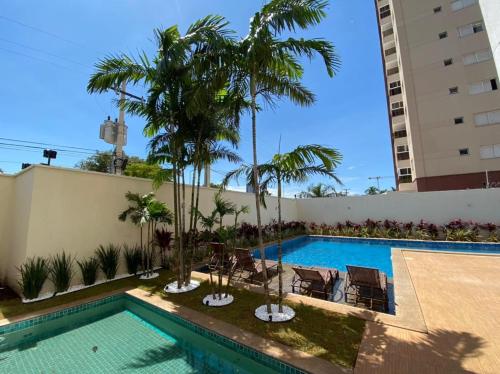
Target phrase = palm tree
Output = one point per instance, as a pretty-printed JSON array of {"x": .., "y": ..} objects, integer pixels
[
  {"x": 267, "y": 67},
  {"x": 320, "y": 190},
  {"x": 146, "y": 211},
  {"x": 183, "y": 81},
  {"x": 372, "y": 190},
  {"x": 293, "y": 167}
]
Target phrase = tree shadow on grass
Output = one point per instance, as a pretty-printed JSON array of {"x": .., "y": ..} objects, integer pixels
[{"x": 439, "y": 351}]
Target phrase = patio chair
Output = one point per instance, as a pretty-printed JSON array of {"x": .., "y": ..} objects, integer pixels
[
  {"x": 315, "y": 282},
  {"x": 245, "y": 263},
  {"x": 218, "y": 257},
  {"x": 367, "y": 286}
]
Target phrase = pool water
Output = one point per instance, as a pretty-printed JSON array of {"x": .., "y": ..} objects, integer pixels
[
  {"x": 121, "y": 336},
  {"x": 339, "y": 252}
]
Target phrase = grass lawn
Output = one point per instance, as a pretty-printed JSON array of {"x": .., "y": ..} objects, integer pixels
[{"x": 328, "y": 335}]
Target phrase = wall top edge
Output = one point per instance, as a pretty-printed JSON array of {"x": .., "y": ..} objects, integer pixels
[{"x": 106, "y": 175}]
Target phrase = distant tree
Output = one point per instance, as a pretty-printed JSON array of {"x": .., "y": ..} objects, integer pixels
[
  {"x": 372, "y": 190},
  {"x": 136, "y": 166},
  {"x": 320, "y": 190},
  {"x": 100, "y": 161},
  {"x": 142, "y": 169}
]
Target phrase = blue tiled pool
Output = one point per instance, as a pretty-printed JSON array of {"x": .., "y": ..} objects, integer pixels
[
  {"x": 339, "y": 252},
  {"x": 123, "y": 334}
]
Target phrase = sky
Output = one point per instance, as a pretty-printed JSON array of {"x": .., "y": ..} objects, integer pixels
[{"x": 48, "y": 50}]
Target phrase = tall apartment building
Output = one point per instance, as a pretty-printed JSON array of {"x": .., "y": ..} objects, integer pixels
[{"x": 442, "y": 62}]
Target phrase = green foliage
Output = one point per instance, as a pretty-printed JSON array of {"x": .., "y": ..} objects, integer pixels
[
  {"x": 34, "y": 273},
  {"x": 61, "y": 271},
  {"x": 89, "y": 269},
  {"x": 109, "y": 258},
  {"x": 372, "y": 190},
  {"x": 133, "y": 258},
  {"x": 320, "y": 190},
  {"x": 142, "y": 169},
  {"x": 461, "y": 235},
  {"x": 100, "y": 161}
]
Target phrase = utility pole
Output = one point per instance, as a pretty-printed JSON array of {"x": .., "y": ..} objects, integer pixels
[
  {"x": 115, "y": 132},
  {"x": 378, "y": 178},
  {"x": 120, "y": 138}
]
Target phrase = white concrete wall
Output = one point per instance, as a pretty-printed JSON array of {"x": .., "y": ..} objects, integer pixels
[
  {"x": 436, "y": 207},
  {"x": 65, "y": 209},
  {"x": 6, "y": 194},
  {"x": 44, "y": 210}
]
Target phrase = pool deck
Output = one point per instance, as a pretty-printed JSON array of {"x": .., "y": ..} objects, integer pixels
[
  {"x": 447, "y": 318},
  {"x": 460, "y": 300}
]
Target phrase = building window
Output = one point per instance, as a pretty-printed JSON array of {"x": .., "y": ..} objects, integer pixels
[
  {"x": 487, "y": 118},
  {"x": 472, "y": 28},
  {"x": 385, "y": 11},
  {"x": 402, "y": 148},
  {"x": 400, "y": 134},
  {"x": 402, "y": 152},
  {"x": 388, "y": 32},
  {"x": 484, "y": 86},
  {"x": 397, "y": 109},
  {"x": 390, "y": 51},
  {"x": 404, "y": 175},
  {"x": 461, "y": 4},
  {"x": 453, "y": 90},
  {"x": 459, "y": 120},
  {"x": 448, "y": 62},
  {"x": 443, "y": 35},
  {"x": 489, "y": 151},
  {"x": 393, "y": 70},
  {"x": 395, "y": 88},
  {"x": 477, "y": 57},
  {"x": 438, "y": 9},
  {"x": 463, "y": 151}
]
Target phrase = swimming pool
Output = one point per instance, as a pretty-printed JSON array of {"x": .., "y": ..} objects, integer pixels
[
  {"x": 335, "y": 252},
  {"x": 124, "y": 334}
]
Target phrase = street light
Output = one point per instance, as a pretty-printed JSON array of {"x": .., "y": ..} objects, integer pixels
[{"x": 49, "y": 154}]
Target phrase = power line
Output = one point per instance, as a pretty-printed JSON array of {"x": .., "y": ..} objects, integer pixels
[
  {"x": 37, "y": 147},
  {"x": 37, "y": 151},
  {"x": 34, "y": 58},
  {"x": 43, "y": 51},
  {"x": 41, "y": 31},
  {"x": 48, "y": 144}
]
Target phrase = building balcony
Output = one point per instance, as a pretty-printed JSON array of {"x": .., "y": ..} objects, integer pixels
[
  {"x": 403, "y": 156},
  {"x": 405, "y": 179},
  {"x": 400, "y": 134}
]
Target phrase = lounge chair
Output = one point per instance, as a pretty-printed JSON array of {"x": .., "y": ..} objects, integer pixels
[
  {"x": 367, "y": 286},
  {"x": 245, "y": 263},
  {"x": 315, "y": 282},
  {"x": 218, "y": 257}
]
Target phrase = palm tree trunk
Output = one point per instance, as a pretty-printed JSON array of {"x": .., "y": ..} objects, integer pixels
[
  {"x": 183, "y": 227},
  {"x": 230, "y": 270},
  {"x": 142, "y": 253},
  {"x": 148, "y": 252},
  {"x": 180, "y": 270},
  {"x": 253, "y": 92},
  {"x": 280, "y": 251}
]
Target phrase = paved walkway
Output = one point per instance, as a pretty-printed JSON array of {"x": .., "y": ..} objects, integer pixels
[{"x": 460, "y": 300}]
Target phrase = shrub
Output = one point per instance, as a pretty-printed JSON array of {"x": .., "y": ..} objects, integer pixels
[
  {"x": 133, "y": 258},
  {"x": 34, "y": 273},
  {"x": 61, "y": 271},
  {"x": 109, "y": 258},
  {"x": 89, "y": 269},
  {"x": 163, "y": 239}
]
